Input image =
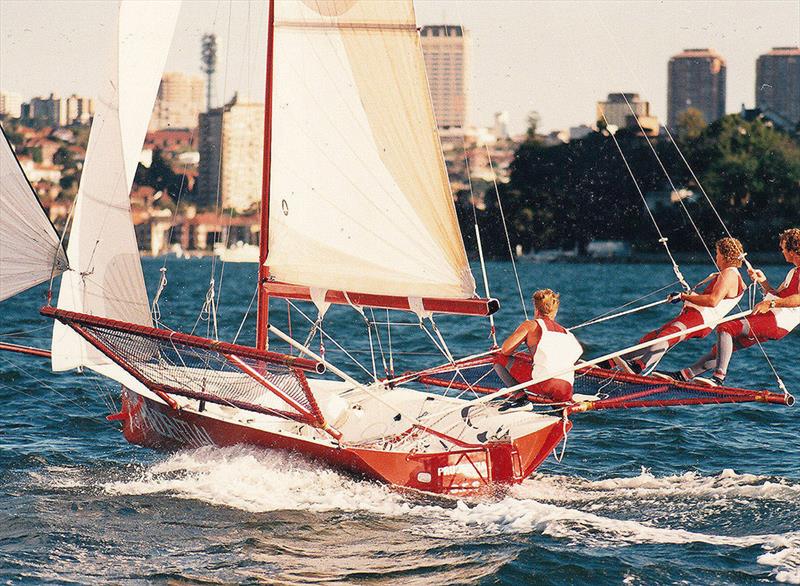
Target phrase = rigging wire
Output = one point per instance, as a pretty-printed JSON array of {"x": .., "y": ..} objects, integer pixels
[
  {"x": 508, "y": 237},
  {"x": 492, "y": 332},
  {"x": 700, "y": 186},
  {"x": 218, "y": 197},
  {"x": 661, "y": 238}
]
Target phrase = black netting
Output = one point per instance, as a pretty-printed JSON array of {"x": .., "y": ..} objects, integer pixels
[
  {"x": 612, "y": 389},
  {"x": 205, "y": 373}
]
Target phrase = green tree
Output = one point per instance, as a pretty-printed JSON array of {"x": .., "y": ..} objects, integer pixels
[{"x": 691, "y": 124}]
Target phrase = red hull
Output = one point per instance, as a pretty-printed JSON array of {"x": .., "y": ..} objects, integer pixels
[{"x": 469, "y": 470}]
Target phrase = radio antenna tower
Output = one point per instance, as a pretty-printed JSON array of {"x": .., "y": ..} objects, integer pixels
[{"x": 209, "y": 65}]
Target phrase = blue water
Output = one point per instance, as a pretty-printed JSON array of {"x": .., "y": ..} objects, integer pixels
[{"x": 699, "y": 495}]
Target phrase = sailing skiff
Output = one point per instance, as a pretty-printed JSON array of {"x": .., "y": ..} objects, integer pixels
[{"x": 356, "y": 210}]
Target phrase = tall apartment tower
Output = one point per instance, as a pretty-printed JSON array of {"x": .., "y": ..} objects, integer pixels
[
  {"x": 79, "y": 109},
  {"x": 10, "y": 104},
  {"x": 778, "y": 83},
  {"x": 696, "y": 80},
  {"x": 179, "y": 102},
  {"x": 231, "y": 150},
  {"x": 447, "y": 61}
]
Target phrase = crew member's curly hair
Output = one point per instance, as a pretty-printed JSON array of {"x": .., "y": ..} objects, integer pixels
[
  {"x": 790, "y": 239},
  {"x": 731, "y": 250}
]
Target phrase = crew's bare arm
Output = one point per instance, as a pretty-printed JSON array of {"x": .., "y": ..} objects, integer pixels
[
  {"x": 521, "y": 334},
  {"x": 766, "y": 305},
  {"x": 759, "y": 277},
  {"x": 727, "y": 286}
]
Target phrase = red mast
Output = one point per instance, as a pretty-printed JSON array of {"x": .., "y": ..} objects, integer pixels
[{"x": 263, "y": 271}]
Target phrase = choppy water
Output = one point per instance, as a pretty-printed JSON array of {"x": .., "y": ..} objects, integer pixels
[{"x": 707, "y": 495}]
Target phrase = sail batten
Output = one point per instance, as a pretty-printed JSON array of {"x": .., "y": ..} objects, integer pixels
[{"x": 359, "y": 195}]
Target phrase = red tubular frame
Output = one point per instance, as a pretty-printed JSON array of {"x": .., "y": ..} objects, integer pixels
[
  {"x": 72, "y": 318},
  {"x": 476, "y": 306},
  {"x": 25, "y": 350}
]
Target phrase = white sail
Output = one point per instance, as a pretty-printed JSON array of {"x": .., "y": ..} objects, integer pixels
[
  {"x": 30, "y": 251},
  {"x": 106, "y": 274},
  {"x": 359, "y": 198}
]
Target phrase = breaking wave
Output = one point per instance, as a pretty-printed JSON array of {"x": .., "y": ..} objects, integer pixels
[{"x": 560, "y": 507}]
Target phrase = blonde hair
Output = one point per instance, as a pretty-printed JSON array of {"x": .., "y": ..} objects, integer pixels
[
  {"x": 546, "y": 301},
  {"x": 790, "y": 239},
  {"x": 731, "y": 250}
]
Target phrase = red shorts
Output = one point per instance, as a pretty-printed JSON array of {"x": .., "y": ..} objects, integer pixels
[
  {"x": 520, "y": 367},
  {"x": 688, "y": 318},
  {"x": 763, "y": 327}
]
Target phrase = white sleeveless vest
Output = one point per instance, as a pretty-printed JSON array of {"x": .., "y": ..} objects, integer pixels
[
  {"x": 787, "y": 318},
  {"x": 712, "y": 315},
  {"x": 555, "y": 353}
]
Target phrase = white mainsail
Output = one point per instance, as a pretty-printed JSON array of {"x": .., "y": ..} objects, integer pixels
[
  {"x": 106, "y": 274},
  {"x": 30, "y": 250},
  {"x": 359, "y": 199}
]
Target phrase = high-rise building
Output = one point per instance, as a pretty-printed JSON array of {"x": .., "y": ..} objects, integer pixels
[
  {"x": 179, "y": 101},
  {"x": 446, "y": 51},
  {"x": 231, "y": 155},
  {"x": 696, "y": 79},
  {"x": 10, "y": 104},
  {"x": 51, "y": 110},
  {"x": 79, "y": 109},
  {"x": 56, "y": 111},
  {"x": 778, "y": 83},
  {"x": 619, "y": 106}
]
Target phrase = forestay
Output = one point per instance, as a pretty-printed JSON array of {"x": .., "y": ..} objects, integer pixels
[
  {"x": 359, "y": 199},
  {"x": 106, "y": 277},
  {"x": 30, "y": 251}
]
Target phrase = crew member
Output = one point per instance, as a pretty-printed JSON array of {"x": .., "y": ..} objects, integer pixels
[
  {"x": 553, "y": 351},
  {"x": 772, "y": 319},
  {"x": 720, "y": 296}
]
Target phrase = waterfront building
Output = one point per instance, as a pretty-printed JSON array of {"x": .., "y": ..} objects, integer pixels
[
  {"x": 56, "y": 111},
  {"x": 79, "y": 109},
  {"x": 179, "y": 101},
  {"x": 51, "y": 110},
  {"x": 619, "y": 106},
  {"x": 231, "y": 147},
  {"x": 696, "y": 79},
  {"x": 10, "y": 105},
  {"x": 778, "y": 83},
  {"x": 446, "y": 49}
]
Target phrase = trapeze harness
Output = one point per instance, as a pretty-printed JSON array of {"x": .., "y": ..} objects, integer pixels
[
  {"x": 556, "y": 351},
  {"x": 787, "y": 318}
]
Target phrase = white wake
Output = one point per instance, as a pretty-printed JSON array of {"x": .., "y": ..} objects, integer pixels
[{"x": 562, "y": 507}]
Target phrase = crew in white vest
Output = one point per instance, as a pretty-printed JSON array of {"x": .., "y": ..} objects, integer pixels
[
  {"x": 720, "y": 296},
  {"x": 772, "y": 319},
  {"x": 553, "y": 350}
]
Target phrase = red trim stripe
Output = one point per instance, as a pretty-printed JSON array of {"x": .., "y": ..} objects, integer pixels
[{"x": 474, "y": 306}]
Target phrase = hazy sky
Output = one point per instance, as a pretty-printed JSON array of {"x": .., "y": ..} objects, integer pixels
[{"x": 558, "y": 58}]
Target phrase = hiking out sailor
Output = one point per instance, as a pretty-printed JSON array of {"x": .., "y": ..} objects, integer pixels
[
  {"x": 552, "y": 348},
  {"x": 772, "y": 319},
  {"x": 722, "y": 293}
]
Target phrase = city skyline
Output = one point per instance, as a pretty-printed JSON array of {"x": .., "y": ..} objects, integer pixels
[{"x": 559, "y": 59}]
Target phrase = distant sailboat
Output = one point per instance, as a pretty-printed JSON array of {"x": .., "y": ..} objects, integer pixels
[{"x": 357, "y": 210}]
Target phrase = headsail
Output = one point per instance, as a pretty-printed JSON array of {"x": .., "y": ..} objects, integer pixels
[
  {"x": 359, "y": 197},
  {"x": 30, "y": 250},
  {"x": 106, "y": 277}
]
